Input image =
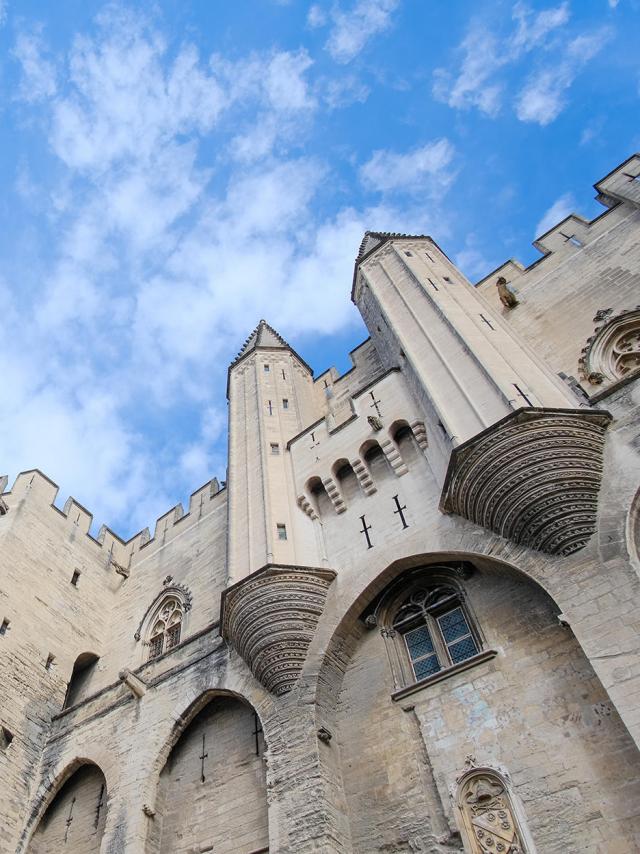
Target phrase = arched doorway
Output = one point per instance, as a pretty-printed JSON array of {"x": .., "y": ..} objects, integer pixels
[
  {"x": 212, "y": 791},
  {"x": 75, "y": 819}
]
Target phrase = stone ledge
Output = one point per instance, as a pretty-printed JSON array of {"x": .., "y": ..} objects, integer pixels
[
  {"x": 485, "y": 655},
  {"x": 532, "y": 477},
  {"x": 270, "y": 618}
]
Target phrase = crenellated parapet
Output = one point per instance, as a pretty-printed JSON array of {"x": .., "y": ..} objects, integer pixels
[
  {"x": 270, "y": 618},
  {"x": 41, "y": 493},
  {"x": 619, "y": 192}
]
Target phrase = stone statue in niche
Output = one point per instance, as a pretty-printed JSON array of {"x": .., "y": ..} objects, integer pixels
[
  {"x": 506, "y": 294},
  {"x": 488, "y": 816}
]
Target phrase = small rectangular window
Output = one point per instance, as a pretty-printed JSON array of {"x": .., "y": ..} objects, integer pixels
[
  {"x": 267, "y": 368},
  {"x": 282, "y": 532},
  {"x": 285, "y": 403},
  {"x": 75, "y": 577},
  {"x": 457, "y": 635},
  {"x": 4, "y": 625},
  {"x": 155, "y": 646},
  {"x": 424, "y": 659},
  {"x": 275, "y": 448},
  {"x": 173, "y": 637},
  {"x": 284, "y": 376},
  {"x": 49, "y": 663}
]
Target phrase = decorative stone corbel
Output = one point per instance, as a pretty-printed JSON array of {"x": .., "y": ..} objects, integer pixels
[{"x": 137, "y": 687}]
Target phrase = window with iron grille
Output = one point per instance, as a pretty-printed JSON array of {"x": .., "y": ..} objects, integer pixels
[
  {"x": 436, "y": 630},
  {"x": 166, "y": 627}
]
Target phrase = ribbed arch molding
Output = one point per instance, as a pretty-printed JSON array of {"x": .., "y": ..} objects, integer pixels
[{"x": 533, "y": 478}]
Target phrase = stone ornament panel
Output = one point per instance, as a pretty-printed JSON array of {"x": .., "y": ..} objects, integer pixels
[
  {"x": 270, "y": 618},
  {"x": 489, "y": 819},
  {"x": 613, "y": 351},
  {"x": 533, "y": 478}
]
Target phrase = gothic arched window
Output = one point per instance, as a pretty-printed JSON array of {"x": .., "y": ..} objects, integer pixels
[
  {"x": 166, "y": 627},
  {"x": 435, "y": 629}
]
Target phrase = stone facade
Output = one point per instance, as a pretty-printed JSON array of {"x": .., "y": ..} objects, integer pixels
[{"x": 408, "y": 622}]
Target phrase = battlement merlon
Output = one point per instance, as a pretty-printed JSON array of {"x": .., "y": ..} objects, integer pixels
[
  {"x": 34, "y": 486},
  {"x": 618, "y": 191}
]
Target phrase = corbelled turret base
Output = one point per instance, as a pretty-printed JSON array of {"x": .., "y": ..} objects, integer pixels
[
  {"x": 533, "y": 478},
  {"x": 270, "y": 618}
]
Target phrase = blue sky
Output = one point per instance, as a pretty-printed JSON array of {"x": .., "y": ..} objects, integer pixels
[{"x": 171, "y": 173}]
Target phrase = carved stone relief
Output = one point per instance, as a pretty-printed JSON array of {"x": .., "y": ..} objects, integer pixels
[
  {"x": 488, "y": 817},
  {"x": 270, "y": 618},
  {"x": 533, "y": 477}
]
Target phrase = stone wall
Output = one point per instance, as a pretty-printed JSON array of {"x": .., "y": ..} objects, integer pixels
[{"x": 537, "y": 710}]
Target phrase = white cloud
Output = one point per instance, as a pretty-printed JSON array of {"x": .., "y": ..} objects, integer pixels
[
  {"x": 316, "y": 17},
  {"x": 424, "y": 168},
  {"x": 558, "y": 211},
  {"x": 343, "y": 91},
  {"x": 543, "y": 97},
  {"x": 182, "y": 211},
  {"x": 477, "y": 82},
  {"x": 472, "y": 261},
  {"x": 38, "y": 79},
  {"x": 352, "y": 29}
]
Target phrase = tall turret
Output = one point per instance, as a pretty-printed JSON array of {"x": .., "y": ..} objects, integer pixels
[
  {"x": 465, "y": 364},
  {"x": 271, "y": 398}
]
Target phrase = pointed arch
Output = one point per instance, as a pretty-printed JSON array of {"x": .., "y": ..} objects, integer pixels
[
  {"x": 71, "y": 813},
  {"x": 166, "y": 616},
  {"x": 211, "y": 777}
]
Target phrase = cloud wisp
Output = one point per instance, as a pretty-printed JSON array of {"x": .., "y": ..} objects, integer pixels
[{"x": 490, "y": 60}]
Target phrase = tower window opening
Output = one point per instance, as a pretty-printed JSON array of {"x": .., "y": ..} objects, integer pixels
[
  {"x": 4, "y": 626},
  {"x": 408, "y": 254},
  {"x": 266, "y": 368},
  {"x": 284, "y": 376},
  {"x": 275, "y": 448},
  {"x": 282, "y": 531},
  {"x": 285, "y": 403},
  {"x": 75, "y": 577},
  {"x": 49, "y": 662}
]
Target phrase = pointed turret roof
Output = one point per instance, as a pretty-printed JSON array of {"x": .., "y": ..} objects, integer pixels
[
  {"x": 265, "y": 337},
  {"x": 373, "y": 239},
  {"x": 262, "y": 336}
]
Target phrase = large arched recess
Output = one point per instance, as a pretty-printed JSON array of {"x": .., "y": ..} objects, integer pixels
[
  {"x": 536, "y": 710},
  {"x": 212, "y": 781},
  {"x": 75, "y": 817}
]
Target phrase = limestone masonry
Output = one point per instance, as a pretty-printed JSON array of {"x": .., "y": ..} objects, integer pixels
[{"x": 410, "y": 620}]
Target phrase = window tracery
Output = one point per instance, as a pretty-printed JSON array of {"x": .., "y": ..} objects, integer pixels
[
  {"x": 614, "y": 351},
  {"x": 166, "y": 627},
  {"x": 435, "y": 629}
]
